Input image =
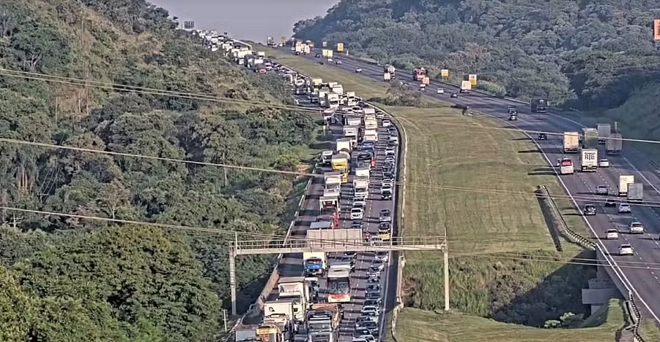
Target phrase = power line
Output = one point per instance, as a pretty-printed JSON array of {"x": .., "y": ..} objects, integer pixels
[
  {"x": 591, "y": 199},
  {"x": 212, "y": 98},
  {"x": 139, "y": 223}
]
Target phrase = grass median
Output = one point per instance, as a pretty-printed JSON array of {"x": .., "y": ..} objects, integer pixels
[{"x": 473, "y": 180}]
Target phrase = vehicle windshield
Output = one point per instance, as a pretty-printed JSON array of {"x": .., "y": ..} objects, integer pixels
[
  {"x": 319, "y": 326},
  {"x": 338, "y": 286}
]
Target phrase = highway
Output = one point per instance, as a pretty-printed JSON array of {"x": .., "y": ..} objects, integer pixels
[
  {"x": 638, "y": 271},
  {"x": 292, "y": 264}
]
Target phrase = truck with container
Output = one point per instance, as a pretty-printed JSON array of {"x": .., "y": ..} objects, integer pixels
[
  {"x": 589, "y": 138},
  {"x": 571, "y": 142},
  {"x": 363, "y": 172},
  {"x": 539, "y": 105},
  {"x": 466, "y": 87},
  {"x": 351, "y": 132},
  {"x": 604, "y": 132},
  {"x": 624, "y": 181},
  {"x": 315, "y": 263},
  {"x": 614, "y": 144},
  {"x": 338, "y": 89},
  {"x": 329, "y": 208},
  {"x": 343, "y": 144},
  {"x": 331, "y": 184},
  {"x": 370, "y": 135},
  {"x": 361, "y": 187},
  {"x": 317, "y": 82},
  {"x": 389, "y": 69},
  {"x": 369, "y": 111},
  {"x": 589, "y": 159},
  {"x": 566, "y": 166},
  {"x": 296, "y": 289},
  {"x": 635, "y": 192},
  {"x": 352, "y": 120},
  {"x": 332, "y": 100},
  {"x": 418, "y": 74},
  {"x": 322, "y": 322},
  {"x": 281, "y": 313},
  {"x": 387, "y": 77}
]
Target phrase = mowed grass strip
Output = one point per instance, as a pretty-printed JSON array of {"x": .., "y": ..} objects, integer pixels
[{"x": 427, "y": 326}]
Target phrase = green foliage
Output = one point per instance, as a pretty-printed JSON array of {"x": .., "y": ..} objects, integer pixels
[
  {"x": 77, "y": 279},
  {"x": 591, "y": 53}
]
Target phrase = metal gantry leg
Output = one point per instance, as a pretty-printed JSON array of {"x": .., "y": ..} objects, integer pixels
[
  {"x": 232, "y": 280},
  {"x": 446, "y": 276}
]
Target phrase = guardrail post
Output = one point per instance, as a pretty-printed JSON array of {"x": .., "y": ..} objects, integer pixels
[{"x": 232, "y": 280}]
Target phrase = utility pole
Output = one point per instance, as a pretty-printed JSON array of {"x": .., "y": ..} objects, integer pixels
[
  {"x": 446, "y": 275},
  {"x": 224, "y": 318},
  {"x": 232, "y": 275}
]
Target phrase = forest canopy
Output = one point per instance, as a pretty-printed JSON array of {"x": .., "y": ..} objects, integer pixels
[
  {"x": 71, "y": 278},
  {"x": 589, "y": 54}
]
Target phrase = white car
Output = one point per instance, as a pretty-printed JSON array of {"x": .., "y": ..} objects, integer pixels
[
  {"x": 440, "y": 91},
  {"x": 380, "y": 115},
  {"x": 359, "y": 202},
  {"x": 636, "y": 228},
  {"x": 329, "y": 59},
  {"x": 602, "y": 190},
  {"x": 624, "y": 208},
  {"x": 386, "y": 188},
  {"x": 369, "y": 308},
  {"x": 357, "y": 213},
  {"x": 625, "y": 249},
  {"x": 358, "y": 70},
  {"x": 603, "y": 163},
  {"x": 382, "y": 256},
  {"x": 394, "y": 139},
  {"x": 387, "y": 123},
  {"x": 390, "y": 151},
  {"x": 612, "y": 234}
]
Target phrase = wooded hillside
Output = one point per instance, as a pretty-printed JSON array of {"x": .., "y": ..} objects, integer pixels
[
  {"x": 592, "y": 53},
  {"x": 78, "y": 279}
]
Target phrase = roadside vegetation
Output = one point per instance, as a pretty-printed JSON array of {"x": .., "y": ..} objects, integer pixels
[
  {"x": 475, "y": 186},
  {"x": 74, "y": 278}
]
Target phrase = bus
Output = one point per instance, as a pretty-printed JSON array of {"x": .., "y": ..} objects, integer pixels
[{"x": 339, "y": 283}]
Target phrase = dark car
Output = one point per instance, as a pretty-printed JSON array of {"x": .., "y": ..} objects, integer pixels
[
  {"x": 543, "y": 136},
  {"x": 589, "y": 209}
]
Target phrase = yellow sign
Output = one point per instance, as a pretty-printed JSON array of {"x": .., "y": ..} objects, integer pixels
[
  {"x": 325, "y": 44},
  {"x": 656, "y": 30},
  {"x": 473, "y": 79},
  {"x": 444, "y": 73},
  {"x": 340, "y": 47}
]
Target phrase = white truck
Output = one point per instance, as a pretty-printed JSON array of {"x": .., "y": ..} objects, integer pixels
[
  {"x": 571, "y": 142},
  {"x": 589, "y": 159},
  {"x": 332, "y": 184},
  {"x": 296, "y": 289},
  {"x": 322, "y": 98},
  {"x": 387, "y": 76},
  {"x": 338, "y": 89},
  {"x": 369, "y": 111},
  {"x": 370, "y": 123},
  {"x": 614, "y": 144},
  {"x": 370, "y": 135},
  {"x": 350, "y": 99},
  {"x": 624, "y": 180},
  {"x": 604, "y": 131},
  {"x": 332, "y": 100},
  {"x": 326, "y": 158},
  {"x": 352, "y": 120},
  {"x": 466, "y": 87},
  {"x": 635, "y": 192},
  {"x": 343, "y": 144},
  {"x": 361, "y": 187},
  {"x": 351, "y": 132},
  {"x": 362, "y": 172}
]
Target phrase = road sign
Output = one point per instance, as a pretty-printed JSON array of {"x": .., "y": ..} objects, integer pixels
[
  {"x": 656, "y": 30},
  {"x": 473, "y": 79},
  {"x": 324, "y": 44},
  {"x": 188, "y": 25},
  {"x": 444, "y": 73}
]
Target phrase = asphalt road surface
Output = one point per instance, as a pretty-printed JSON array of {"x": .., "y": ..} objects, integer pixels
[
  {"x": 291, "y": 264},
  {"x": 641, "y": 270}
]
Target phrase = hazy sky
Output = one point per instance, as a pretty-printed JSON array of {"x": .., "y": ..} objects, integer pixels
[{"x": 248, "y": 19}]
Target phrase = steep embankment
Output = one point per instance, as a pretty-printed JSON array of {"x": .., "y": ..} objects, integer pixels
[{"x": 74, "y": 275}]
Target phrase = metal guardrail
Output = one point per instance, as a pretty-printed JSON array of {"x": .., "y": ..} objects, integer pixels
[{"x": 584, "y": 242}]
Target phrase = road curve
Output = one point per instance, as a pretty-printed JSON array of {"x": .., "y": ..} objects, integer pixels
[{"x": 639, "y": 272}]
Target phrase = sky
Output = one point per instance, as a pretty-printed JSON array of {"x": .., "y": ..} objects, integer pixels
[{"x": 248, "y": 19}]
